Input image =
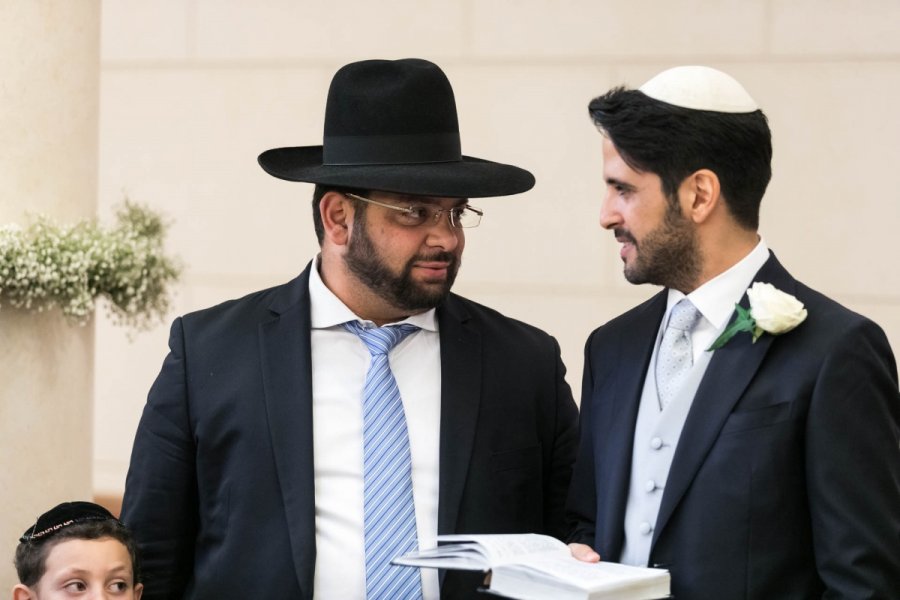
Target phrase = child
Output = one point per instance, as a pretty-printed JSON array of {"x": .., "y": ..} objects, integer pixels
[{"x": 77, "y": 550}]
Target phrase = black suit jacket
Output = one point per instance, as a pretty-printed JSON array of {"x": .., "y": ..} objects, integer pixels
[
  {"x": 785, "y": 482},
  {"x": 220, "y": 489}
]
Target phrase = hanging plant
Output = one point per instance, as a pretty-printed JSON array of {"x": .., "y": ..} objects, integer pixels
[{"x": 44, "y": 265}]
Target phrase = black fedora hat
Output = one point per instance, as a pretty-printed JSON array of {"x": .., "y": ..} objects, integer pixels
[{"x": 392, "y": 126}]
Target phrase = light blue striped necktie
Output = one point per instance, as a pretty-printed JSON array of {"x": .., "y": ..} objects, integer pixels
[{"x": 390, "y": 516}]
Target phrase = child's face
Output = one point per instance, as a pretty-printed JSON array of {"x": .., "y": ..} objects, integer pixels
[{"x": 86, "y": 570}]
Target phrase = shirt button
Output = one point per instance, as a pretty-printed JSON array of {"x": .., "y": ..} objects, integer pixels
[
  {"x": 656, "y": 443},
  {"x": 645, "y": 528},
  {"x": 650, "y": 486}
]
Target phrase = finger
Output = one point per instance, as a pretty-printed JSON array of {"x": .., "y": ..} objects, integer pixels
[{"x": 583, "y": 552}]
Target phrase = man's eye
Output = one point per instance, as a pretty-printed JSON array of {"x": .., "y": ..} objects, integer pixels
[
  {"x": 119, "y": 586},
  {"x": 416, "y": 214}
]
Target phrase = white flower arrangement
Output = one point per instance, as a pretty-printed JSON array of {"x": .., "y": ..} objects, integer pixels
[
  {"x": 771, "y": 311},
  {"x": 45, "y": 265}
]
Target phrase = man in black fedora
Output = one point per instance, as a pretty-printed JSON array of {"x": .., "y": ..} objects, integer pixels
[{"x": 300, "y": 437}]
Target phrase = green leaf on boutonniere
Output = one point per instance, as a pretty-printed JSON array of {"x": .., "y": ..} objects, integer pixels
[{"x": 743, "y": 322}]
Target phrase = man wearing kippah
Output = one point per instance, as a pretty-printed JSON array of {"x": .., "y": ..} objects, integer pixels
[
  {"x": 738, "y": 429},
  {"x": 299, "y": 438}
]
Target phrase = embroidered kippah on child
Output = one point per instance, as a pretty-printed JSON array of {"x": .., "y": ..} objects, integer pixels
[{"x": 65, "y": 515}]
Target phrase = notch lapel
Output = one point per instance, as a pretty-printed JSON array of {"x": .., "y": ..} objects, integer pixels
[
  {"x": 730, "y": 371},
  {"x": 287, "y": 380},
  {"x": 460, "y": 399}
]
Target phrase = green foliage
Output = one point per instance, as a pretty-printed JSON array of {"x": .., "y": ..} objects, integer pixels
[
  {"x": 743, "y": 322},
  {"x": 45, "y": 265}
]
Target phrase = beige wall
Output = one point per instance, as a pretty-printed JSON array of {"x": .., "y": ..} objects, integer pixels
[
  {"x": 193, "y": 90},
  {"x": 49, "y": 93}
]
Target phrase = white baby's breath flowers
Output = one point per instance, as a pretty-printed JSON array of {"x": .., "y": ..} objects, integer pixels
[{"x": 46, "y": 265}]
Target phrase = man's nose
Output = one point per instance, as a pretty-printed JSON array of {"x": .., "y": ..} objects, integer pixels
[
  {"x": 609, "y": 214},
  {"x": 443, "y": 233}
]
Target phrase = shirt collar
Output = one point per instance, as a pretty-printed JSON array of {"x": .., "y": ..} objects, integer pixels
[
  {"x": 327, "y": 310},
  {"x": 716, "y": 298}
]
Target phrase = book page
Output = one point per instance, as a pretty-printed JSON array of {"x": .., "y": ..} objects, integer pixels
[
  {"x": 480, "y": 552},
  {"x": 503, "y": 548},
  {"x": 589, "y": 576},
  {"x": 466, "y": 557}
]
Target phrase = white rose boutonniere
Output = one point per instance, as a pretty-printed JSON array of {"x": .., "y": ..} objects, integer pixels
[{"x": 771, "y": 311}]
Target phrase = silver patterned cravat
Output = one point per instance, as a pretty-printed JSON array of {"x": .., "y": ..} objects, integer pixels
[{"x": 675, "y": 357}]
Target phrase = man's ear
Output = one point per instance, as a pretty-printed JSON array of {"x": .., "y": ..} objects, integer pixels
[
  {"x": 138, "y": 590},
  {"x": 703, "y": 193},
  {"x": 336, "y": 211},
  {"x": 22, "y": 592}
]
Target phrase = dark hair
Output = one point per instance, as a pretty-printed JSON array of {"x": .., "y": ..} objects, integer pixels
[
  {"x": 31, "y": 555},
  {"x": 320, "y": 191},
  {"x": 673, "y": 142}
]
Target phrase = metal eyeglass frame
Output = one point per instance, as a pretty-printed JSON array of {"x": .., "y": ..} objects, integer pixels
[{"x": 434, "y": 213}]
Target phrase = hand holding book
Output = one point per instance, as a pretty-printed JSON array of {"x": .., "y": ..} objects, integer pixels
[{"x": 539, "y": 567}]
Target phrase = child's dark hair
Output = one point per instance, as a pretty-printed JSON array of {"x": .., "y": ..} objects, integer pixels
[{"x": 69, "y": 521}]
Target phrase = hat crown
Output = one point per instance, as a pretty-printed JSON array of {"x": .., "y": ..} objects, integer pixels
[
  {"x": 393, "y": 97},
  {"x": 700, "y": 88},
  {"x": 391, "y": 112}
]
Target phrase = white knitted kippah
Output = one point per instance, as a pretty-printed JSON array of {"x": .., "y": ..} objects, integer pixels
[{"x": 700, "y": 88}]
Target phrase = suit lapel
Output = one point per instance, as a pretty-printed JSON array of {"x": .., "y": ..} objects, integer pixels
[
  {"x": 633, "y": 352},
  {"x": 287, "y": 380},
  {"x": 460, "y": 399},
  {"x": 730, "y": 371}
]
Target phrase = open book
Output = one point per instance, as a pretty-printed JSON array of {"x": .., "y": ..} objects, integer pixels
[{"x": 538, "y": 567}]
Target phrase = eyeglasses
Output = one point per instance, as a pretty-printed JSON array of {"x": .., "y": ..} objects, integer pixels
[{"x": 420, "y": 214}]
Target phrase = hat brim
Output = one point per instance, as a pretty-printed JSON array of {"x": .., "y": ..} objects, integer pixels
[{"x": 468, "y": 178}]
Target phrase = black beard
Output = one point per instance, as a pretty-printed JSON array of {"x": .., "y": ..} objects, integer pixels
[
  {"x": 400, "y": 290},
  {"x": 668, "y": 256}
]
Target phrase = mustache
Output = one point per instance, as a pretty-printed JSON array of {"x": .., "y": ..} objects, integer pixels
[
  {"x": 624, "y": 235},
  {"x": 440, "y": 256}
]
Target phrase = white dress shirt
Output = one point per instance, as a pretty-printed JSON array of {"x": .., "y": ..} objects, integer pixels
[
  {"x": 716, "y": 298},
  {"x": 657, "y": 431},
  {"x": 339, "y": 364}
]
